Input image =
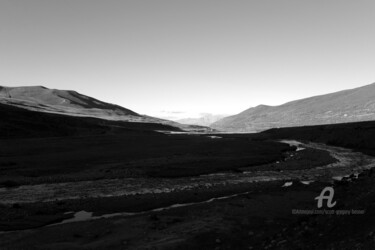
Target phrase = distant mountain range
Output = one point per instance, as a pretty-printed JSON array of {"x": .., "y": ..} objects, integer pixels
[
  {"x": 72, "y": 103},
  {"x": 204, "y": 120},
  {"x": 351, "y": 105}
]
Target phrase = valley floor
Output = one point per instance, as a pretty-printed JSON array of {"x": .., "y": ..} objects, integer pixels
[{"x": 246, "y": 207}]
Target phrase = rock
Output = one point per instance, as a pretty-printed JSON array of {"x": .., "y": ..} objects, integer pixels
[{"x": 281, "y": 242}]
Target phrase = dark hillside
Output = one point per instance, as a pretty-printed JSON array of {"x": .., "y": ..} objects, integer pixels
[
  {"x": 20, "y": 123},
  {"x": 359, "y": 136}
]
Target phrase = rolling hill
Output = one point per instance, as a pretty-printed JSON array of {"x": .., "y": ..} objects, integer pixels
[
  {"x": 345, "y": 106},
  {"x": 42, "y": 99},
  {"x": 73, "y": 104}
]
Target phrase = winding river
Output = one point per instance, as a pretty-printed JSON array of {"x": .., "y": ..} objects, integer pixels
[{"x": 348, "y": 163}]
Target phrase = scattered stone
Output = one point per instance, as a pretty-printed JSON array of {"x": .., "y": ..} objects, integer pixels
[{"x": 281, "y": 242}]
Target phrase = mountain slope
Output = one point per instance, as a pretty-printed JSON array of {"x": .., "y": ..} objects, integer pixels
[
  {"x": 340, "y": 107},
  {"x": 17, "y": 122},
  {"x": 72, "y": 103},
  {"x": 69, "y": 102},
  {"x": 204, "y": 120}
]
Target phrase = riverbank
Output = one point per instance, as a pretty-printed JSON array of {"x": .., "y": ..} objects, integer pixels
[
  {"x": 255, "y": 215},
  {"x": 33, "y": 206},
  {"x": 261, "y": 219}
]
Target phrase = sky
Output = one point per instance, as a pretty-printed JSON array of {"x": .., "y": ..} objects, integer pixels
[{"x": 176, "y": 59}]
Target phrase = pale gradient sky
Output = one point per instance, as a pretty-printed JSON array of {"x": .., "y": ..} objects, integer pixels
[{"x": 157, "y": 57}]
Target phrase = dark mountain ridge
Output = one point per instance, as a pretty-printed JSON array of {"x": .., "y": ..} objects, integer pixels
[{"x": 17, "y": 122}]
